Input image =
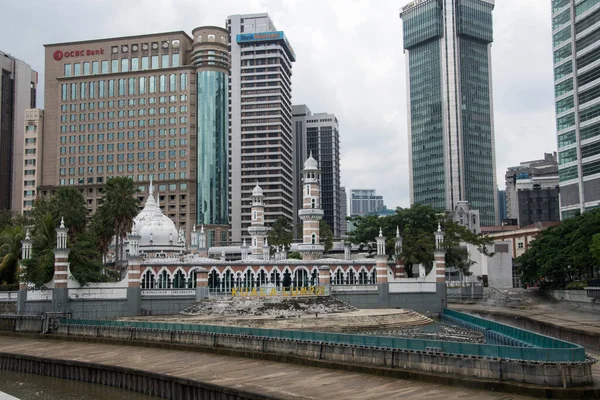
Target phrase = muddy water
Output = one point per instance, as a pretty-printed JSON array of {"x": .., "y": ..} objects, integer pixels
[{"x": 35, "y": 387}]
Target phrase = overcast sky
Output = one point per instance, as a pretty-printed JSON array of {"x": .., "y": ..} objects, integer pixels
[{"x": 350, "y": 63}]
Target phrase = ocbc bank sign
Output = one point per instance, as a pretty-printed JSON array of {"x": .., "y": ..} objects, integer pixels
[{"x": 59, "y": 54}]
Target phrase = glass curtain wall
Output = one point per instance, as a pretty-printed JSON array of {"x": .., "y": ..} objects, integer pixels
[{"x": 212, "y": 144}]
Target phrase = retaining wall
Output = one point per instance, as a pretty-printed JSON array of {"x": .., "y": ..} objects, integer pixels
[
  {"x": 8, "y": 307},
  {"x": 587, "y": 339},
  {"x": 21, "y": 323},
  {"x": 547, "y": 374},
  {"x": 153, "y": 384},
  {"x": 577, "y": 299}
]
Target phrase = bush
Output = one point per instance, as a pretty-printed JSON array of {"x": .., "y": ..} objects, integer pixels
[
  {"x": 576, "y": 286},
  {"x": 11, "y": 287}
]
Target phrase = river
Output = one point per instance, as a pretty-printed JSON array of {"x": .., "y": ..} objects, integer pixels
[{"x": 36, "y": 387}]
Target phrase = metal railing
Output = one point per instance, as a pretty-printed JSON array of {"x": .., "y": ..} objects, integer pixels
[{"x": 549, "y": 350}]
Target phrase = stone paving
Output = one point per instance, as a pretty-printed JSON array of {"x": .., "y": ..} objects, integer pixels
[{"x": 285, "y": 381}]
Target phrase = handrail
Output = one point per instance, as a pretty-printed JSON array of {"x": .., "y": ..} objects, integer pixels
[{"x": 568, "y": 352}]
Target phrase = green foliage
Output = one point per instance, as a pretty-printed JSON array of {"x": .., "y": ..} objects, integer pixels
[
  {"x": 119, "y": 205},
  {"x": 563, "y": 253},
  {"x": 576, "y": 286},
  {"x": 103, "y": 228},
  {"x": 38, "y": 270},
  {"x": 85, "y": 260},
  {"x": 595, "y": 247},
  {"x": 417, "y": 225},
  {"x": 325, "y": 235},
  {"x": 294, "y": 255},
  {"x": 280, "y": 233},
  {"x": 10, "y": 252}
]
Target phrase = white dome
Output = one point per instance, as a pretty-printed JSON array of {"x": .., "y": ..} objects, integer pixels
[
  {"x": 257, "y": 191},
  {"x": 152, "y": 224},
  {"x": 311, "y": 163}
]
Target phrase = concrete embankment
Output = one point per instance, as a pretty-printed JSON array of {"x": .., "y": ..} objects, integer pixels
[
  {"x": 572, "y": 326},
  {"x": 258, "y": 376}
]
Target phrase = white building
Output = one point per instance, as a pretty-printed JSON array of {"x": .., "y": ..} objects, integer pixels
[{"x": 260, "y": 120}]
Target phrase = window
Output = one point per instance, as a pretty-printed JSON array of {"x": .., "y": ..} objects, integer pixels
[
  {"x": 154, "y": 62},
  {"x": 165, "y": 61},
  {"x": 77, "y": 69},
  {"x": 145, "y": 63},
  {"x": 175, "y": 61},
  {"x": 520, "y": 245},
  {"x": 114, "y": 66},
  {"x": 183, "y": 81},
  {"x": 104, "y": 66},
  {"x": 67, "y": 69}
]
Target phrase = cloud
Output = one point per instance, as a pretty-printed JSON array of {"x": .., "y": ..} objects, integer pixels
[{"x": 350, "y": 63}]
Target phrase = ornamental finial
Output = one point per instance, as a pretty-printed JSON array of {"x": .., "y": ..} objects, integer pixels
[
  {"x": 380, "y": 232},
  {"x": 62, "y": 222}
]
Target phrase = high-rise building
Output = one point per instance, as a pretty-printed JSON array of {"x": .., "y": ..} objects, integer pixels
[
  {"x": 576, "y": 48},
  {"x": 343, "y": 211},
  {"x": 260, "y": 120},
  {"x": 532, "y": 191},
  {"x": 18, "y": 85},
  {"x": 147, "y": 106},
  {"x": 33, "y": 143},
  {"x": 501, "y": 205},
  {"x": 451, "y": 124},
  {"x": 365, "y": 201},
  {"x": 318, "y": 135}
]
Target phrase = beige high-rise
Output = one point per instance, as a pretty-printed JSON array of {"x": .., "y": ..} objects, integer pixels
[{"x": 126, "y": 107}]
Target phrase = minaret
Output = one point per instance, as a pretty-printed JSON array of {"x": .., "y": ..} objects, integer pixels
[
  {"x": 61, "y": 257},
  {"x": 257, "y": 228},
  {"x": 439, "y": 256},
  {"x": 400, "y": 272},
  {"x": 311, "y": 212},
  {"x": 381, "y": 259}
]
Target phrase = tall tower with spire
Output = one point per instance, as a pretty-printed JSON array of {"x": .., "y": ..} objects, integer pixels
[
  {"x": 311, "y": 212},
  {"x": 257, "y": 228}
]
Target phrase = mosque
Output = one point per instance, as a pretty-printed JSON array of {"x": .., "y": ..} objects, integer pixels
[{"x": 167, "y": 261}]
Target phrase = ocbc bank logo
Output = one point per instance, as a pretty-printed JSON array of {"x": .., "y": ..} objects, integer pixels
[{"x": 58, "y": 55}]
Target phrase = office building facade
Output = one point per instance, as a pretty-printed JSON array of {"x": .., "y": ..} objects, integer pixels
[
  {"x": 18, "y": 86},
  {"x": 532, "y": 191},
  {"x": 260, "y": 116},
  {"x": 576, "y": 51},
  {"x": 365, "y": 201},
  {"x": 451, "y": 124},
  {"x": 33, "y": 143},
  {"x": 318, "y": 135},
  {"x": 343, "y": 211},
  {"x": 148, "y": 106}
]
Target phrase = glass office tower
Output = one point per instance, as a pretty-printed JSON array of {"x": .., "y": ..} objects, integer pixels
[
  {"x": 576, "y": 47},
  {"x": 210, "y": 56},
  {"x": 451, "y": 133}
]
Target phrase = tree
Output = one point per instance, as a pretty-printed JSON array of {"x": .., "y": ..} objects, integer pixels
[
  {"x": 325, "y": 235},
  {"x": 10, "y": 253},
  {"x": 102, "y": 227},
  {"x": 85, "y": 260},
  {"x": 121, "y": 206},
  {"x": 294, "y": 255},
  {"x": 68, "y": 203},
  {"x": 38, "y": 270},
  {"x": 595, "y": 247},
  {"x": 563, "y": 253},
  {"x": 417, "y": 225},
  {"x": 280, "y": 233}
]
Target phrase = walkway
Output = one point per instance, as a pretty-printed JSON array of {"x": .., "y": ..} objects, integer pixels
[
  {"x": 281, "y": 380},
  {"x": 561, "y": 318}
]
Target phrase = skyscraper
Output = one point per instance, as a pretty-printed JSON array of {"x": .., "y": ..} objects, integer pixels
[
  {"x": 451, "y": 124},
  {"x": 261, "y": 120},
  {"x": 365, "y": 201},
  {"x": 318, "y": 135},
  {"x": 18, "y": 85},
  {"x": 146, "y": 106},
  {"x": 576, "y": 47}
]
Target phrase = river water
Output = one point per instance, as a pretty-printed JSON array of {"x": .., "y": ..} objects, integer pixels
[{"x": 36, "y": 387}]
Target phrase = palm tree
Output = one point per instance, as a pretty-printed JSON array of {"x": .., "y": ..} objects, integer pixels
[
  {"x": 103, "y": 230},
  {"x": 69, "y": 203},
  {"x": 121, "y": 206},
  {"x": 10, "y": 253}
]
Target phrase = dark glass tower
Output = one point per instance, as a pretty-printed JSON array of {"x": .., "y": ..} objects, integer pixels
[
  {"x": 576, "y": 47},
  {"x": 451, "y": 132},
  {"x": 211, "y": 58}
]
